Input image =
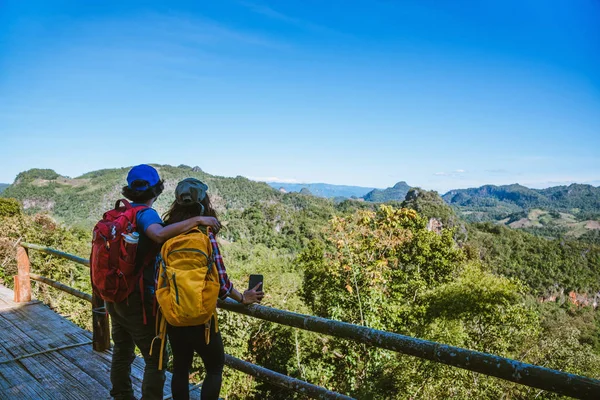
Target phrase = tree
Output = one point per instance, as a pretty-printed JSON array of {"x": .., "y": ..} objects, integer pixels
[
  {"x": 385, "y": 270},
  {"x": 9, "y": 207}
]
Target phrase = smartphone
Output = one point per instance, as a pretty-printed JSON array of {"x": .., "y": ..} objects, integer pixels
[{"x": 255, "y": 280}]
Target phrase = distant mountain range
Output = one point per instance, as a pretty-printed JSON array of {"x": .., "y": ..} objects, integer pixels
[
  {"x": 573, "y": 208},
  {"x": 495, "y": 202},
  {"x": 395, "y": 193},
  {"x": 485, "y": 203},
  {"x": 323, "y": 189},
  {"x": 3, "y": 186}
]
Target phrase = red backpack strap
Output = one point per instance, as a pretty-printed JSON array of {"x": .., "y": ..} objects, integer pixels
[
  {"x": 131, "y": 210},
  {"x": 125, "y": 203}
]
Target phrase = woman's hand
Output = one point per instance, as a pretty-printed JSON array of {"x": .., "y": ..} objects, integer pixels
[
  {"x": 254, "y": 295},
  {"x": 210, "y": 221}
]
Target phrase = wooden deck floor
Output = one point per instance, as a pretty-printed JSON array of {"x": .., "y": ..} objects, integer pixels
[{"x": 45, "y": 356}]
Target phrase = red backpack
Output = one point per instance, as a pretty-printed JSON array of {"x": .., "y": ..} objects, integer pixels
[{"x": 113, "y": 258}]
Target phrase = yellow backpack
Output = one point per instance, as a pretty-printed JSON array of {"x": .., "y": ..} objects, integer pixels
[{"x": 188, "y": 284}]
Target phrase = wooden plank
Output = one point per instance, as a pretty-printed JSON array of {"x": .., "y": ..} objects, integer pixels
[
  {"x": 69, "y": 379},
  {"x": 72, "y": 373},
  {"x": 75, "y": 375},
  {"x": 6, "y": 295},
  {"x": 47, "y": 377},
  {"x": 39, "y": 324},
  {"x": 89, "y": 362},
  {"x": 27, "y": 391},
  {"x": 23, "y": 331},
  {"x": 7, "y": 301},
  {"x": 12, "y": 374}
]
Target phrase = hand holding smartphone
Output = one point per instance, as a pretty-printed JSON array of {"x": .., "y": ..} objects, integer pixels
[
  {"x": 255, "y": 280},
  {"x": 255, "y": 293}
]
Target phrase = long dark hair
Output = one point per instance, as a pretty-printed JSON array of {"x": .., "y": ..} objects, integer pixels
[{"x": 178, "y": 212}]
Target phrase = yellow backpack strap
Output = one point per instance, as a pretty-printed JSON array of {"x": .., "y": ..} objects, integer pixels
[
  {"x": 208, "y": 325},
  {"x": 216, "y": 321},
  {"x": 163, "y": 339},
  {"x": 207, "y": 331},
  {"x": 161, "y": 334}
]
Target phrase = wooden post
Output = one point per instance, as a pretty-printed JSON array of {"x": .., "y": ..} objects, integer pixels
[
  {"x": 22, "y": 281},
  {"x": 101, "y": 332}
]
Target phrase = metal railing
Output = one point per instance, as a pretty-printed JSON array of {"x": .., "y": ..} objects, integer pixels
[{"x": 511, "y": 370}]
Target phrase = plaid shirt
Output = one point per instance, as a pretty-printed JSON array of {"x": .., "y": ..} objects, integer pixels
[{"x": 224, "y": 281}]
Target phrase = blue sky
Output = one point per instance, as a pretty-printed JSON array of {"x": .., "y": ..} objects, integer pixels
[{"x": 439, "y": 94}]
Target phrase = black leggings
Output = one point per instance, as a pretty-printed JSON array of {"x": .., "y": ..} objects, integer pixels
[{"x": 184, "y": 341}]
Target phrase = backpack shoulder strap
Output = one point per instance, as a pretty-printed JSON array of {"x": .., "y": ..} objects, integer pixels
[
  {"x": 125, "y": 203},
  {"x": 193, "y": 230},
  {"x": 215, "y": 259},
  {"x": 128, "y": 205}
]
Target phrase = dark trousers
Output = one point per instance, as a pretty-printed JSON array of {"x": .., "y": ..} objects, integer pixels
[
  {"x": 128, "y": 331},
  {"x": 184, "y": 342}
]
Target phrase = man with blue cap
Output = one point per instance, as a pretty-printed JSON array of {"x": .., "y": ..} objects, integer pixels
[{"x": 133, "y": 320}]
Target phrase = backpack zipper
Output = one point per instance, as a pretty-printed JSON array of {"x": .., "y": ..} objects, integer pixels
[
  {"x": 188, "y": 249},
  {"x": 209, "y": 260},
  {"x": 176, "y": 290}
]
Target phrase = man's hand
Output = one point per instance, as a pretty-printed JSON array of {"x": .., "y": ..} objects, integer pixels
[
  {"x": 210, "y": 221},
  {"x": 254, "y": 295}
]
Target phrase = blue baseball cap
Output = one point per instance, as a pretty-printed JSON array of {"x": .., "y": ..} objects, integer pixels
[{"x": 142, "y": 177}]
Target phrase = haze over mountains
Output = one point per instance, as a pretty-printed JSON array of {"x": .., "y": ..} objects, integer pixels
[
  {"x": 258, "y": 213},
  {"x": 581, "y": 198},
  {"x": 573, "y": 209},
  {"x": 323, "y": 189},
  {"x": 339, "y": 192}
]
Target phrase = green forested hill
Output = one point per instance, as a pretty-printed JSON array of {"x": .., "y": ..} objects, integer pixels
[
  {"x": 3, "y": 186},
  {"x": 81, "y": 201},
  {"x": 545, "y": 264},
  {"x": 395, "y": 193},
  {"x": 491, "y": 202},
  {"x": 561, "y": 211},
  {"x": 411, "y": 267}
]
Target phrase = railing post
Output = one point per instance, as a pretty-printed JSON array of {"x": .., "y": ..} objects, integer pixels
[
  {"x": 22, "y": 281},
  {"x": 100, "y": 331}
]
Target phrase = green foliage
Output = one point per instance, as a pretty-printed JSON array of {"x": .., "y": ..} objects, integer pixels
[
  {"x": 377, "y": 257},
  {"x": 592, "y": 237},
  {"x": 541, "y": 263},
  {"x": 43, "y": 230},
  {"x": 386, "y": 271},
  {"x": 429, "y": 204},
  {"x": 489, "y": 307},
  {"x": 81, "y": 201},
  {"x": 512, "y": 194},
  {"x": 491, "y": 202},
  {"x": 36, "y": 173},
  {"x": 347, "y": 206},
  {"x": 469, "y": 285},
  {"x": 9, "y": 208}
]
